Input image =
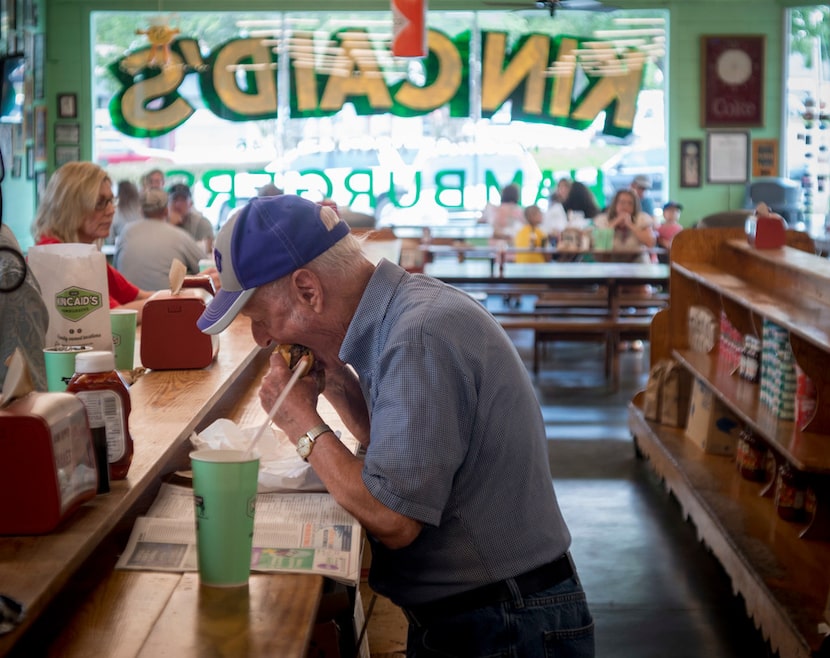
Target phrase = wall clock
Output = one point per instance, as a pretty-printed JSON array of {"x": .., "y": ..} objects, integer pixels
[{"x": 732, "y": 80}]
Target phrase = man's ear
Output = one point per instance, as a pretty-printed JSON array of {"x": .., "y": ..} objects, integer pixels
[{"x": 308, "y": 287}]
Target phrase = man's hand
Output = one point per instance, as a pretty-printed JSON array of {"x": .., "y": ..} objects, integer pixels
[{"x": 298, "y": 411}]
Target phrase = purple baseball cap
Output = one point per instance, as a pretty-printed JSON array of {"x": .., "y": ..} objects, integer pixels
[{"x": 268, "y": 239}]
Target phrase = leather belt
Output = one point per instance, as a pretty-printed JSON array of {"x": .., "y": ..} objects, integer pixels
[{"x": 540, "y": 578}]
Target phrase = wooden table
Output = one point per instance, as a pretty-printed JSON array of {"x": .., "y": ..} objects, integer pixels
[
  {"x": 582, "y": 281},
  {"x": 498, "y": 256},
  {"x": 552, "y": 275},
  {"x": 53, "y": 575}
]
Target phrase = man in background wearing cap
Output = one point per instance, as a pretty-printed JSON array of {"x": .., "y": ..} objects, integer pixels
[
  {"x": 670, "y": 226},
  {"x": 454, "y": 491},
  {"x": 181, "y": 213},
  {"x": 642, "y": 184},
  {"x": 145, "y": 249}
]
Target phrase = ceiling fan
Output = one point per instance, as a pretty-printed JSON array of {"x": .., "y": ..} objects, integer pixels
[{"x": 552, "y": 5}]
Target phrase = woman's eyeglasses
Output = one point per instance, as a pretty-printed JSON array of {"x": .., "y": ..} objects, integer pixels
[{"x": 106, "y": 202}]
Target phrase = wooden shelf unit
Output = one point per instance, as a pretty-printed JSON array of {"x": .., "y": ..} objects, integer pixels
[{"x": 781, "y": 569}]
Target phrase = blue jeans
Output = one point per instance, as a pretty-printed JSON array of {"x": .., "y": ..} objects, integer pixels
[{"x": 552, "y": 623}]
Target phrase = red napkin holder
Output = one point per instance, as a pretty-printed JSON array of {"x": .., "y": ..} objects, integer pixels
[
  {"x": 47, "y": 462},
  {"x": 770, "y": 232},
  {"x": 170, "y": 339}
]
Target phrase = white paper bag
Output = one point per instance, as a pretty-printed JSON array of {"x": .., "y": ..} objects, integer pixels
[{"x": 73, "y": 282}]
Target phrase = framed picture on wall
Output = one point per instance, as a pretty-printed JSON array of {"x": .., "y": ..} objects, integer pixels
[
  {"x": 40, "y": 185},
  {"x": 764, "y": 157},
  {"x": 17, "y": 166},
  {"x": 64, "y": 154},
  {"x": 18, "y": 140},
  {"x": 732, "y": 77},
  {"x": 6, "y": 142},
  {"x": 67, "y": 106},
  {"x": 37, "y": 66},
  {"x": 4, "y": 27},
  {"x": 67, "y": 133},
  {"x": 11, "y": 14},
  {"x": 30, "y": 161},
  {"x": 691, "y": 161},
  {"x": 40, "y": 133},
  {"x": 30, "y": 12},
  {"x": 727, "y": 157}
]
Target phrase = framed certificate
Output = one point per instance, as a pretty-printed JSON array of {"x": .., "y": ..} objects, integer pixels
[
  {"x": 727, "y": 157},
  {"x": 64, "y": 154},
  {"x": 67, "y": 133},
  {"x": 67, "y": 106}
]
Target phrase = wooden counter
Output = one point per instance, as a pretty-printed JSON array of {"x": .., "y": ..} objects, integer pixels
[
  {"x": 782, "y": 578},
  {"x": 780, "y": 568},
  {"x": 52, "y": 575}
]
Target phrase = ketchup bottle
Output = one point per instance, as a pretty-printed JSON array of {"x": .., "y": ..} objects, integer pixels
[{"x": 106, "y": 397}]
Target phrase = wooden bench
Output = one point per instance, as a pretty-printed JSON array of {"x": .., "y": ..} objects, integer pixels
[
  {"x": 630, "y": 303},
  {"x": 611, "y": 331}
]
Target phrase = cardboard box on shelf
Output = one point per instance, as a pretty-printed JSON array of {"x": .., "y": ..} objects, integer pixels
[
  {"x": 675, "y": 395},
  {"x": 667, "y": 393},
  {"x": 712, "y": 427}
]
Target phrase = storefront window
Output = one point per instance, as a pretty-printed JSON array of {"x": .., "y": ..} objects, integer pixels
[
  {"x": 808, "y": 110},
  {"x": 316, "y": 104}
]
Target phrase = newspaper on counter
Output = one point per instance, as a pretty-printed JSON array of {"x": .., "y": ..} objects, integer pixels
[{"x": 293, "y": 532}]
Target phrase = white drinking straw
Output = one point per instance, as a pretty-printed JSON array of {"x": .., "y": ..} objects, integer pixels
[{"x": 299, "y": 370}]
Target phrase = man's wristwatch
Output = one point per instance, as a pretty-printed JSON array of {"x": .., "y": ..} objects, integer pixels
[{"x": 306, "y": 442}]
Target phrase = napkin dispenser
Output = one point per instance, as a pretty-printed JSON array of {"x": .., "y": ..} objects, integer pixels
[
  {"x": 766, "y": 229},
  {"x": 47, "y": 462},
  {"x": 170, "y": 339},
  {"x": 770, "y": 232}
]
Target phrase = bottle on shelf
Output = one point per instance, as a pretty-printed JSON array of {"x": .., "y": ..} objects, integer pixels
[
  {"x": 750, "y": 456},
  {"x": 791, "y": 494}
]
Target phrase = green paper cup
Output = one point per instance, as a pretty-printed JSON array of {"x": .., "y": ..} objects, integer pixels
[
  {"x": 224, "y": 495},
  {"x": 60, "y": 365},
  {"x": 123, "y": 322},
  {"x": 603, "y": 239}
]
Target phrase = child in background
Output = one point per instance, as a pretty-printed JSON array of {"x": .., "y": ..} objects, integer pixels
[
  {"x": 531, "y": 236},
  {"x": 670, "y": 226},
  {"x": 505, "y": 218}
]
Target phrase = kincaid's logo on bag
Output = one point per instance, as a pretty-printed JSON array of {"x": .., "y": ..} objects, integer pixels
[{"x": 76, "y": 303}]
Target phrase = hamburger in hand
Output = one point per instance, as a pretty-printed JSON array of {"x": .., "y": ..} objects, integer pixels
[{"x": 294, "y": 353}]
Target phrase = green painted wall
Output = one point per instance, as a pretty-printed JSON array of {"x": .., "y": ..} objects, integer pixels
[
  {"x": 66, "y": 23},
  {"x": 690, "y": 20}
]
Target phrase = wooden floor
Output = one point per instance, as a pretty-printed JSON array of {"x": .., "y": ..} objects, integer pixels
[{"x": 654, "y": 590}]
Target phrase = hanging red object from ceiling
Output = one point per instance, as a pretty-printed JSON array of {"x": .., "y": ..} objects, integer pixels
[{"x": 409, "y": 28}]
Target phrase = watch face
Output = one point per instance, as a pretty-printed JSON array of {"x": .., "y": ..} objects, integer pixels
[
  {"x": 304, "y": 446},
  {"x": 734, "y": 66}
]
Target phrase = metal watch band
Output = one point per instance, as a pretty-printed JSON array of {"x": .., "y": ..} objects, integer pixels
[{"x": 312, "y": 435}]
